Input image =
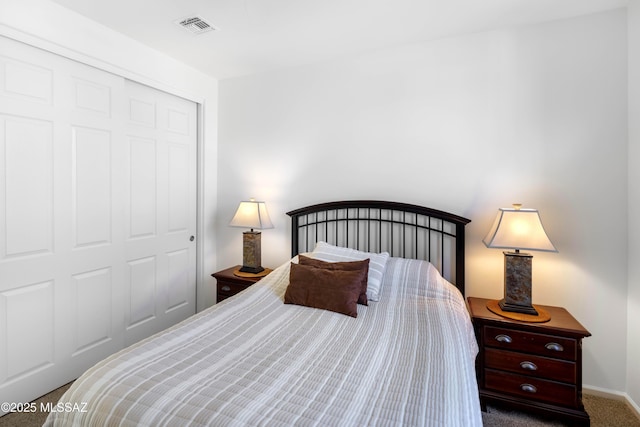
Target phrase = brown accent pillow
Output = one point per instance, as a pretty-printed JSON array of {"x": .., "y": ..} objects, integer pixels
[
  {"x": 345, "y": 266},
  {"x": 334, "y": 290}
]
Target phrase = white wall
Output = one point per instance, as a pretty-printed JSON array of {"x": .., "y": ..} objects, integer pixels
[
  {"x": 633, "y": 336},
  {"x": 536, "y": 115},
  {"x": 45, "y": 24}
]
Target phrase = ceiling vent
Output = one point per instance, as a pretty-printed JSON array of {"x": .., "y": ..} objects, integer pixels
[{"x": 195, "y": 25}]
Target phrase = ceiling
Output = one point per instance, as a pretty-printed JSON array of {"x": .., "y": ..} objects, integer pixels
[{"x": 255, "y": 36}]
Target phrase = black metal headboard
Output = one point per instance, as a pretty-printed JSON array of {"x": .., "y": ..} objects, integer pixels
[{"x": 403, "y": 230}]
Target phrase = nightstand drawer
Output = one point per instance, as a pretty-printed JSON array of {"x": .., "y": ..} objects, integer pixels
[
  {"x": 529, "y": 342},
  {"x": 531, "y": 388},
  {"x": 229, "y": 289},
  {"x": 525, "y": 364},
  {"x": 230, "y": 281}
]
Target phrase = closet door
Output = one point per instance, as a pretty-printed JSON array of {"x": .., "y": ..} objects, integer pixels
[
  {"x": 94, "y": 254},
  {"x": 161, "y": 210}
]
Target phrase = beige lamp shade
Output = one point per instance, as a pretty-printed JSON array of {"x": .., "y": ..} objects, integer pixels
[
  {"x": 516, "y": 228},
  {"x": 252, "y": 214}
]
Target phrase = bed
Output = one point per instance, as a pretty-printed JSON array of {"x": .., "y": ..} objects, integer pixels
[{"x": 406, "y": 358}]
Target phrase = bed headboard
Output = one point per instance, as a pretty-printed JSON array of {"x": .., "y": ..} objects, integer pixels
[{"x": 403, "y": 230}]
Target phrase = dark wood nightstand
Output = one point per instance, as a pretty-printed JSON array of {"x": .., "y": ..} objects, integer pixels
[
  {"x": 535, "y": 367},
  {"x": 228, "y": 284}
]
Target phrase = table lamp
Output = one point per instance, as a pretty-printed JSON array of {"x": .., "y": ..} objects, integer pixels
[
  {"x": 251, "y": 214},
  {"x": 516, "y": 228}
]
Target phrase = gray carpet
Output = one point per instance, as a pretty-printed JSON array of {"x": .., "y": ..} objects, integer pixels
[
  {"x": 33, "y": 419},
  {"x": 603, "y": 413}
]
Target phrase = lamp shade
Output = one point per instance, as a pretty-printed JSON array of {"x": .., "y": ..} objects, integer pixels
[
  {"x": 516, "y": 228},
  {"x": 251, "y": 214}
]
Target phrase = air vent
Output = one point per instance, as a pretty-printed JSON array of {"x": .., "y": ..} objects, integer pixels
[{"x": 195, "y": 25}]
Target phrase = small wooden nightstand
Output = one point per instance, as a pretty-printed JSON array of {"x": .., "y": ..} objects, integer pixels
[
  {"x": 530, "y": 366},
  {"x": 228, "y": 284}
]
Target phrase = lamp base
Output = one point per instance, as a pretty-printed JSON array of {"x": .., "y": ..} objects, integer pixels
[
  {"x": 238, "y": 272},
  {"x": 542, "y": 316},
  {"x": 517, "y": 283},
  {"x": 252, "y": 270},
  {"x": 251, "y": 252},
  {"x": 517, "y": 308}
]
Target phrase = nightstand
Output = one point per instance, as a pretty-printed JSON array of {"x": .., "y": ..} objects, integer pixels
[
  {"x": 228, "y": 284},
  {"x": 535, "y": 367}
]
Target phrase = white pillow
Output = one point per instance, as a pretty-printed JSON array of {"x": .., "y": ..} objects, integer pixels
[{"x": 377, "y": 263}]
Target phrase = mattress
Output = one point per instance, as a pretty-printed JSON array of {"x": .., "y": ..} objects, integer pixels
[{"x": 251, "y": 360}]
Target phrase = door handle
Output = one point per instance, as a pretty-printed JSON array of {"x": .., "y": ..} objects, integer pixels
[
  {"x": 529, "y": 388},
  {"x": 504, "y": 338},
  {"x": 554, "y": 346},
  {"x": 529, "y": 366}
]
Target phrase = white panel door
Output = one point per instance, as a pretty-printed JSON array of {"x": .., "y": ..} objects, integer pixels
[
  {"x": 161, "y": 212},
  {"x": 97, "y": 208}
]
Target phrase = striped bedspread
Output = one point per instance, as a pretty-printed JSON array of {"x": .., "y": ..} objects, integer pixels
[{"x": 407, "y": 360}]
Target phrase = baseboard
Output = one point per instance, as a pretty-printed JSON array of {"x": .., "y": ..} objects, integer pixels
[{"x": 615, "y": 395}]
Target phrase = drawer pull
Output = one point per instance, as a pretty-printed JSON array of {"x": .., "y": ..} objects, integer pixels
[
  {"x": 528, "y": 388},
  {"x": 554, "y": 346},
  {"x": 226, "y": 288},
  {"x": 504, "y": 338},
  {"x": 529, "y": 366}
]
